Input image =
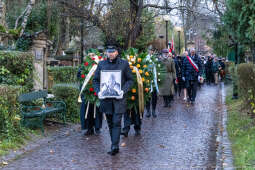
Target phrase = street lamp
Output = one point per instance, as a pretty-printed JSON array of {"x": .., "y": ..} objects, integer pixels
[
  {"x": 166, "y": 18},
  {"x": 178, "y": 29}
]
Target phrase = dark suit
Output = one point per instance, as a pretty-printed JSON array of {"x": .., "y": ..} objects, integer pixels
[
  {"x": 191, "y": 76},
  {"x": 114, "y": 108}
]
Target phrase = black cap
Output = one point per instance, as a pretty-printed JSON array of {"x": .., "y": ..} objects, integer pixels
[{"x": 111, "y": 48}]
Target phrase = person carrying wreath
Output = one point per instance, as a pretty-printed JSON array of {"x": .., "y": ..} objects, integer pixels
[
  {"x": 114, "y": 108},
  {"x": 92, "y": 123}
]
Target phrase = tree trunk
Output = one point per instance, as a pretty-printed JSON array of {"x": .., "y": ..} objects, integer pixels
[
  {"x": 135, "y": 22},
  {"x": 67, "y": 33},
  {"x": 82, "y": 39},
  {"x": 62, "y": 33},
  {"x": 253, "y": 53},
  {"x": 26, "y": 15}
]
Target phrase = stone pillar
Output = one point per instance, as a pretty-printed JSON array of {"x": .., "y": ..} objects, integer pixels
[
  {"x": 3, "y": 39},
  {"x": 39, "y": 50}
]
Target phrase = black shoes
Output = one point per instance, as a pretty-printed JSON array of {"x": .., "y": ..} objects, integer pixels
[
  {"x": 123, "y": 133},
  {"x": 154, "y": 114},
  {"x": 113, "y": 152},
  {"x": 137, "y": 132},
  {"x": 87, "y": 132},
  {"x": 97, "y": 132},
  {"x": 148, "y": 114}
]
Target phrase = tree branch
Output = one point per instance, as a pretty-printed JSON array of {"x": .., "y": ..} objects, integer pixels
[
  {"x": 134, "y": 3},
  {"x": 17, "y": 20},
  {"x": 157, "y": 6}
]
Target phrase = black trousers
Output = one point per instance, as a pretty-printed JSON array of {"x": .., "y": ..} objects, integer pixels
[
  {"x": 152, "y": 102},
  {"x": 167, "y": 99},
  {"x": 210, "y": 77},
  {"x": 180, "y": 86},
  {"x": 91, "y": 122},
  {"x": 132, "y": 118},
  {"x": 192, "y": 89},
  {"x": 114, "y": 124}
]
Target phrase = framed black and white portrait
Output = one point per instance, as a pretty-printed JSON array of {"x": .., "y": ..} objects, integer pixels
[{"x": 110, "y": 83}]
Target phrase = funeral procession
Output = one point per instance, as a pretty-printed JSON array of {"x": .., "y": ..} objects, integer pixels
[{"x": 127, "y": 84}]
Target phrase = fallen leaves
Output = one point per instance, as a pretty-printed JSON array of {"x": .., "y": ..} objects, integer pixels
[
  {"x": 225, "y": 164},
  {"x": 161, "y": 146},
  {"x": 123, "y": 144},
  {"x": 4, "y": 163}
]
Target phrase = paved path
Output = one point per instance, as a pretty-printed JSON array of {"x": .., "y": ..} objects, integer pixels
[{"x": 182, "y": 137}]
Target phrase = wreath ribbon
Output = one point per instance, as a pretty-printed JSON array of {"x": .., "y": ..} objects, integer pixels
[
  {"x": 88, "y": 77},
  {"x": 140, "y": 92}
]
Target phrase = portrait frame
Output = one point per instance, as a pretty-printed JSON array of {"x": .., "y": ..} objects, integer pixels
[{"x": 110, "y": 83}]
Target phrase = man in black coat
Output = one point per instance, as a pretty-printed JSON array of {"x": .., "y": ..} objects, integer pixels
[
  {"x": 114, "y": 108},
  {"x": 178, "y": 68},
  {"x": 191, "y": 74}
]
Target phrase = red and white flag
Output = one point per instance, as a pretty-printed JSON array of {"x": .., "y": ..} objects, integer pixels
[{"x": 172, "y": 43}]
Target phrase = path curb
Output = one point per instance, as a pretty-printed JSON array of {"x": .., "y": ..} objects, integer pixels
[{"x": 224, "y": 157}]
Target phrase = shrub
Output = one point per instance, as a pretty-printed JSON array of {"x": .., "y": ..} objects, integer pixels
[
  {"x": 69, "y": 94},
  {"x": 9, "y": 111},
  {"x": 65, "y": 74},
  {"x": 228, "y": 66},
  {"x": 246, "y": 81},
  {"x": 24, "y": 43},
  {"x": 16, "y": 68}
]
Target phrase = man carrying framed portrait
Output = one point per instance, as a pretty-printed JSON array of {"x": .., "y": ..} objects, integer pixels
[{"x": 113, "y": 79}]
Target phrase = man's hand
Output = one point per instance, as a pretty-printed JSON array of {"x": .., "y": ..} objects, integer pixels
[
  {"x": 120, "y": 94},
  {"x": 200, "y": 79},
  {"x": 183, "y": 78},
  {"x": 100, "y": 95}
]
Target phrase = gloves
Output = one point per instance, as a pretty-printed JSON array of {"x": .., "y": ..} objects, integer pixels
[
  {"x": 183, "y": 78},
  {"x": 100, "y": 95},
  {"x": 120, "y": 93}
]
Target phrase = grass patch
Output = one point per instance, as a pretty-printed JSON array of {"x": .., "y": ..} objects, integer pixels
[
  {"x": 241, "y": 131},
  {"x": 15, "y": 141}
]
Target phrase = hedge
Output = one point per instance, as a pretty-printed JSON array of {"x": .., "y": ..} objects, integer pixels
[
  {"x": 63, "y": 74},
  {"x": 9, "y": 111},
  {"x": 16, "y": 68},
  {"x": 246, "y": 84},
  {"x": 69, "y": 94}
]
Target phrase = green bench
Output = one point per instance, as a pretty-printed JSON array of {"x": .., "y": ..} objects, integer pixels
[{"x": 34, "y": 114}]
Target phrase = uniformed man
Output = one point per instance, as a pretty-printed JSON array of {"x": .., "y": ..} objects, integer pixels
[
  {"x": 166, "y": 88},
  {"x": 114, "y": 107}
]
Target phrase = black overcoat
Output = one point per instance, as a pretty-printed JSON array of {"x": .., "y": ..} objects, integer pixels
[{"x": 110, "y": 106}]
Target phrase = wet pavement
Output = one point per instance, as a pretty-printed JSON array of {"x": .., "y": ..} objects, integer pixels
[{"x": 182, "y": 137}]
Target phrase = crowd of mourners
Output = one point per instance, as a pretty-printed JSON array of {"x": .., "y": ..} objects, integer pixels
[{"x": 183, "y": 73}]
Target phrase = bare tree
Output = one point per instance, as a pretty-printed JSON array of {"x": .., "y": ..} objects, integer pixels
[
  {"x": 25, "y": 14},
  {"x": 96, "y": 12}
]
